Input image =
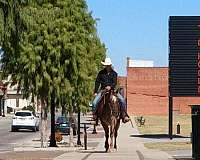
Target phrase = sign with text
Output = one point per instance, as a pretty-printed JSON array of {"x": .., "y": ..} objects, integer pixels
[{"x": 184, "y": 56}]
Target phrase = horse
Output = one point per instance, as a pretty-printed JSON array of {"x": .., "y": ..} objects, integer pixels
[{"x": 109, "y": 114}]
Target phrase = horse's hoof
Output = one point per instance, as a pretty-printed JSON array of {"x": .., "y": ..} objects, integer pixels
[
  {"x": 113, "y": 150},
  {"x": 108, "y": 150}
]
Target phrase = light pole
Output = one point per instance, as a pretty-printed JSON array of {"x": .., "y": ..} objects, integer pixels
[
  {"x": 79, "y": 118},
  {"x": 1, "y": 104},
  {"x": 3, "y": 97}
]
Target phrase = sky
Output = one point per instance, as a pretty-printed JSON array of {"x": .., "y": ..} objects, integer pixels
[{"x": 138, "y": 28}]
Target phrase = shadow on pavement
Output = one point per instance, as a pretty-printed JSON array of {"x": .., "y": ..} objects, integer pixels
[
  {"x": 22, "y": 130},
  {"x": 183, "y": 158},
  {"x": 157, "y": 136},
  {"x": 92, "y": 152}
]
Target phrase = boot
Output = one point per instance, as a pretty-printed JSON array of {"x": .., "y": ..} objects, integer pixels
[{"x": 124, "y": 116}]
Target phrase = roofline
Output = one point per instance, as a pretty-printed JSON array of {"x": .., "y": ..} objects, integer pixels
[{"x": 147, "y": 67}]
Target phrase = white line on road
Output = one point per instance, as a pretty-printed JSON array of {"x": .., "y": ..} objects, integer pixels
[{"x": 4, "y": 151}]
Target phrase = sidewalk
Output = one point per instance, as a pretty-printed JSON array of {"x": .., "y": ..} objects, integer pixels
[{"x": 129, "y": 148}]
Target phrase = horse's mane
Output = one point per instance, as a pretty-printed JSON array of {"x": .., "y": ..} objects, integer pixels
[{"x": 108, "y": 105}]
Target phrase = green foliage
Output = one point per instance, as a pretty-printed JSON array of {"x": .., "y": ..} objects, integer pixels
[{"x": 51, "y": 46}]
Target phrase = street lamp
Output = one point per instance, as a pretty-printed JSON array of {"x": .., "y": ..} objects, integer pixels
[
  {"x": 79, "y": 137},
  {"x": 4, "y": 98},
  {"x": 1, "y": 95},
  {"x": 3, "y": 109}
]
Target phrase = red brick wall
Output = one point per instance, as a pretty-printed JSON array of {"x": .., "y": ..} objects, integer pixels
[
  {"x": 181, "y": 104},
  {"x": 122, "y": 83},
  {"x": 147, "y": 93},
  {"x": 147, "y": 90}
]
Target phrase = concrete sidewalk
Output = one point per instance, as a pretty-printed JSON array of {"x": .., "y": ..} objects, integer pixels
[{"x": 129, "y": 148}]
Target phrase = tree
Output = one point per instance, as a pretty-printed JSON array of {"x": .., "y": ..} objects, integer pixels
[{"x": 53, "y": 52}]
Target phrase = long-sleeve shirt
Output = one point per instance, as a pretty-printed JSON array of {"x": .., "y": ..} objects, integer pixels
[{"x": 104, "y": 79}]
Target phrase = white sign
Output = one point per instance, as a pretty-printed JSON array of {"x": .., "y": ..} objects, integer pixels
[{"x": 140, "y": 63}]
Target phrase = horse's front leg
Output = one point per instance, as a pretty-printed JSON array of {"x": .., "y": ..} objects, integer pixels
[
  {"x": 106, "y": 142},
  {"x": 106, "y": 129},
  {"x": 116, "y": 133},
  {"x": 115, "y": 145}
]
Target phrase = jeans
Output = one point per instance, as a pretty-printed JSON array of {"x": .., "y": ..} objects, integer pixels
[
  {"x": 96, "y": 100},
  {"x": 122, "y": 102}
]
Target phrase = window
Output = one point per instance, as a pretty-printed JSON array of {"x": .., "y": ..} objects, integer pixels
[{"x": 23, "y": 114}]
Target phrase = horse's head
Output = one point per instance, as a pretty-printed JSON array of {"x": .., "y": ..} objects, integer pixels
[
  {"x": 109, "y": 96},
  {"x": 110, "y": 100}
]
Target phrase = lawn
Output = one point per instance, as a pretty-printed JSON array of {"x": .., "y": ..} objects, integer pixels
[
  {"x": 169, "y": 146},
  {"x": 159, "y": 125}
]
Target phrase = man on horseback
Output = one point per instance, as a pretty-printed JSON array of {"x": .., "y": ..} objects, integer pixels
[{"x": 107, "y": 79}]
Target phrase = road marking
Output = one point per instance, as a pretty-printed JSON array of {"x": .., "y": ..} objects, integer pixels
[
  {"x": 86, "y": 157},
  {"x": 140, "y": 155},
  {"x": 4, "y": 151}
]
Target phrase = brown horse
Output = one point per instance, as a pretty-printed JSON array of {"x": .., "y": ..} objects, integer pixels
[{"x": 109, "y": 115}]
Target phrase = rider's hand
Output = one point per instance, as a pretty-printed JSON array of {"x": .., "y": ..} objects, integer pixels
[
  {"x": 95, "y": 94},
  {"x": 108, "y": 88}
]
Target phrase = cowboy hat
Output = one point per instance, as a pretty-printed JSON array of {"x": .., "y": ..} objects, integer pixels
[{"x": 107, "y": 62}]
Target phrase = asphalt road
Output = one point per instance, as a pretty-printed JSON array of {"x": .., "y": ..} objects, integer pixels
[{"x": 8, "y": 139}]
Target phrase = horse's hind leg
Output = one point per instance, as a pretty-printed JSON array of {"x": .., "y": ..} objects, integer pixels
[{"x": 106, "y": 129}]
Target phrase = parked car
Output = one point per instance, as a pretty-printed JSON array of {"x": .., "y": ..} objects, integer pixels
[
  {"x": 63, "y": 125},
  {"x": 25, "y": 119}
]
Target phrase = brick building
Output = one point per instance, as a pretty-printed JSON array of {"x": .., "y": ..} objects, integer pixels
[{"x": 147, "y": 92}]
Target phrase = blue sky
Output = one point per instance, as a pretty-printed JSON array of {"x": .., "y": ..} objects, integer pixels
[{"x": 138, "y": 28}]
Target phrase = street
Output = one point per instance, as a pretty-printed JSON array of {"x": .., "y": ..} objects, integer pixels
[
  {"x": 8, "y": 139},
  {"x": 20, "y": 145}
]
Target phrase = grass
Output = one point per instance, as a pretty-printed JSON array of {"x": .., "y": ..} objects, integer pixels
[
  {"x": 169, "y": 146},
  {"x": 159, "y": 125}
]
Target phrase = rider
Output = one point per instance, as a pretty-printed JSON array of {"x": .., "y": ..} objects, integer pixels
[{"x": 107, "y": 79}]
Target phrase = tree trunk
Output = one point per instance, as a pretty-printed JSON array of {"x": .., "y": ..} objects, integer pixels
[
  {"x": 63, "y": 110},
  {"x": 52, "y": 139},
  {"x": 43, "y": 125},
  {"x": 71, "y": 138}
]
